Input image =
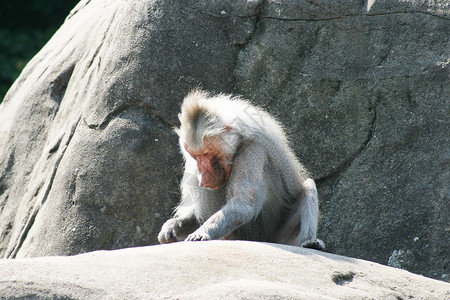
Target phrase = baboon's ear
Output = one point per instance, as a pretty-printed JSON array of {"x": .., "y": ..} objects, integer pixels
[{"x": 227, "y": 128}]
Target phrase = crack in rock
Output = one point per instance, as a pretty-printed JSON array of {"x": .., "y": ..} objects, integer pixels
[
  {"x": 352, "y": 16},
  {"x": 40, "y": 202},
  {"x": 59, "y": 85},
  {"x": 346, "y": 164},
  {"x": 129, "y": 104},
  {"x": 257, "y": 16}
]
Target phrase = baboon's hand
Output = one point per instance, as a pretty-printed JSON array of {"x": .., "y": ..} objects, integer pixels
[
  {"x": 198, "y": 235},
  {"x": 168, "y": 233}
]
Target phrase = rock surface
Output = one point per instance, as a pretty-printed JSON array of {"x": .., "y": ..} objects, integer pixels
[
  {"x": 211, "y": 270},
  {"x": 88, "y": 158}
]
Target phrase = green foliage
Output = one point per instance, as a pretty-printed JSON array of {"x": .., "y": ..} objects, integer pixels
[{"x": 25, "y": 27}]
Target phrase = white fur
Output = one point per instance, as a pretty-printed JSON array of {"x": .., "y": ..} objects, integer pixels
[{"x": 267, "y": 187}]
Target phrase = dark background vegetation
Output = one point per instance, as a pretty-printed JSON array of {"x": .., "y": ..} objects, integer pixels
[{"x": 25, "y": 27}]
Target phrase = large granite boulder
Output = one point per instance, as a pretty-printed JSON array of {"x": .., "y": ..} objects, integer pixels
[
  {"x": 211, "y": 270},
  {"x": 88, "y": 158}
]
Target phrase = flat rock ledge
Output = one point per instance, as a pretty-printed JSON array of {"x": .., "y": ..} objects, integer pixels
[{"x": 211, "y": 270}]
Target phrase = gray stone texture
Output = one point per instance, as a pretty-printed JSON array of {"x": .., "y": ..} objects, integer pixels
[{"x": 88, "y": 158}]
